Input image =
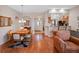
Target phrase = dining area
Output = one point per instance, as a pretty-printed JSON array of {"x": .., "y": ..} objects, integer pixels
[
  {"x": 21, "y": 37},
  {"x": 18, "y": 36}
]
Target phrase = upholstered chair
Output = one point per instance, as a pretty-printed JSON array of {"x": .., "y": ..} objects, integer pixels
[
  {"x": 28, "y": 38},
  {"x": 16, "y": 37}
]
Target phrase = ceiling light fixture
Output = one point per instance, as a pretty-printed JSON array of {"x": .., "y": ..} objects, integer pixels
[
  {"x": 22, "y": 20},
  {"x": 53, "y": 10},
  {"x": 61, "y": 10}
]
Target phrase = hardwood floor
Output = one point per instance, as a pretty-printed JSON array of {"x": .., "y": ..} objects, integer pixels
[{"x": 40, "y": 44}]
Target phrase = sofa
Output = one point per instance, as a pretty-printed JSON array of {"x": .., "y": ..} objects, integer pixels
[{"x": 65, "y": 43}]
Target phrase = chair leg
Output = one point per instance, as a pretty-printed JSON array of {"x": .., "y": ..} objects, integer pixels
[
  {"x": 24, "y": 45},
  {"x": 18, "y": 44}
]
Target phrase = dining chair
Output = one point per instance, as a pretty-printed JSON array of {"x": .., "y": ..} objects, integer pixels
[
  {"x": 28, "y": 39},
  {"x": 16, "y": 37},
  {"x": 18, "y": 41}
]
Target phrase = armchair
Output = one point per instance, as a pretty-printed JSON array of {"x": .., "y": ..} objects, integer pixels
[{"x": 63, "y": 42}]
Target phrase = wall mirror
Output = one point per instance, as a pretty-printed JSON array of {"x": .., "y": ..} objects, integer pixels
[{"x": 5, "y": 21}]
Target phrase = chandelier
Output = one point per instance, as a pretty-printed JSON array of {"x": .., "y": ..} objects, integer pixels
[{"x": 22, "y": 19}]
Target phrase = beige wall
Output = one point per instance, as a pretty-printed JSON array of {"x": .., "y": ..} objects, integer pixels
[
  {"x": 73, "y": 14},
  {"x": 34, "y": 14},
  {"x": 6, "y": 11}
]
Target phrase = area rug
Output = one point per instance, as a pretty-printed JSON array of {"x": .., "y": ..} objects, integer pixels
[
  {"x": 14, "y": 46},
  {"x": 18, "y": 46}
]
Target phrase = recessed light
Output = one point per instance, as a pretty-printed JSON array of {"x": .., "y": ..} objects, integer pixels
[
  {"x": 61, "y": 10},
  {"x": 52, "y": 10}
]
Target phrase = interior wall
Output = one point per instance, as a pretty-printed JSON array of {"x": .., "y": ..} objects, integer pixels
[
  {"x": 73, "y": 14},
  {"x": 6, "y": 11},
  {"x": 46, "y": 30}
]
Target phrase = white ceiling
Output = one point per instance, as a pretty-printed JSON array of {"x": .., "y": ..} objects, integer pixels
[{"x": 38, "y": 8}]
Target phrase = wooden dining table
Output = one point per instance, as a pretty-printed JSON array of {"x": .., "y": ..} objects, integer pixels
[{"x": 21, "y": 32}]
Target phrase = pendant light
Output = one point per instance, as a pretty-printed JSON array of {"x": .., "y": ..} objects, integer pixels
[{"x": 22, "y": 20}]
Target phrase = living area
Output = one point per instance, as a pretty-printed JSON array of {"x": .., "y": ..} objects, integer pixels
[{"x": 39, "y": 28}]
